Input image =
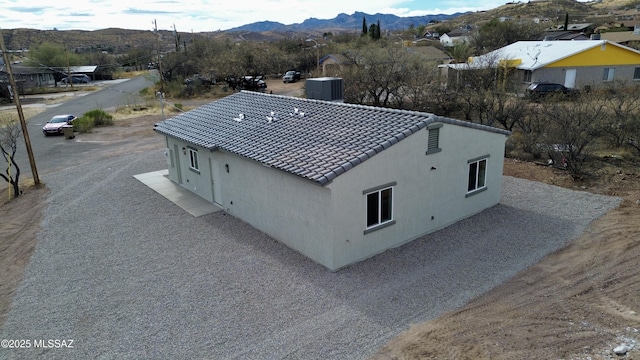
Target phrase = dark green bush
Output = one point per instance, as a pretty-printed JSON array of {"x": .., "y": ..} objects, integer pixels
[
  {"x": 83, "y": 124},
  {"x": 99, "y": 117}
]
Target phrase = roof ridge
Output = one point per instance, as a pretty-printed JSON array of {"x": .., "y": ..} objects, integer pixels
[{"x": 349, "y": 105}]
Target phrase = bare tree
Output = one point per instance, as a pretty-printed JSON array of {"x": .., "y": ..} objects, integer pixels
[
  {"x": 574, "y": 127},
  {"x": 423, "y": 80},
  {"x": 377, "y": 76},
  {"x": 530, "y": 129},
  {"x": 620, "y": 121},
  {"x": 10, "y": 133}
]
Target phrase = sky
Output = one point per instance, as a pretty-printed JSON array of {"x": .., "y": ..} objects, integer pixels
[{"x": 207, "y": 15}]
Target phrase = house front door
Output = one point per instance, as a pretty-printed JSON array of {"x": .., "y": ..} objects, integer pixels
[
  {"x": 570, "y": 78},
  {"x": 215, "y": 181},
  {"x": 176, "y": 151}
]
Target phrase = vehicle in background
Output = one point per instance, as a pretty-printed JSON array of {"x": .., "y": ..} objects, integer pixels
[
  {"x": 537, "y": 90},
  {"x": 76, "y": 79},
  {"x": 56, "y": 124},
  {"x": 247, "y": 82},
  {"x": 291, "y": 76}
]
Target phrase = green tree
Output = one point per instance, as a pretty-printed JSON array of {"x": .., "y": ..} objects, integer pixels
[
  {"x": 496, "y": 34},
  {"x": 460, "y": 51},
  {"x": 53, "y": 55},
  {"x": 374, "y": 31},
  {"x": 364, "y": 26}
]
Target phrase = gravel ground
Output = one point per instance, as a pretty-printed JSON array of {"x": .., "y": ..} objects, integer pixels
[{"x": 127, "y": 274}]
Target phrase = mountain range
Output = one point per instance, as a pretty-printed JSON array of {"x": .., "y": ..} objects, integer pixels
[{"x": 347, "y": 22}]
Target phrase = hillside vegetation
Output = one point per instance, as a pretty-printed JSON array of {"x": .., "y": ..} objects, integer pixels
[{"x": 118, "y": 41}]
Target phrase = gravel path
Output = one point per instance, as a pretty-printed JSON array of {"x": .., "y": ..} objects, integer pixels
[{"x": 127, "y": 274}]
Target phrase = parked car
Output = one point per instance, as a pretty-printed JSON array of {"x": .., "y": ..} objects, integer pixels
[
  {"x": 291, "y": 76},
  {"x": 248, "y": 82},
  {"x": 76, "y": 79},
  {"x": 56, "y": 124},
  {"x": 537, "y": 90}
]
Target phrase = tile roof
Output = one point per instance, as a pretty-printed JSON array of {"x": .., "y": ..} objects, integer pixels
[{"x": 313, "y": 139}]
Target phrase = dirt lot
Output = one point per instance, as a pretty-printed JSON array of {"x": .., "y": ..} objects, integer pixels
[{"x": 578, "y": 303}]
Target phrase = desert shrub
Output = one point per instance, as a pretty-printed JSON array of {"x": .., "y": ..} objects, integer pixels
[
  {"x": 83, "y": 124},
  {"x": 99, "y": 117},
  {"x": 173, "y": 89}
]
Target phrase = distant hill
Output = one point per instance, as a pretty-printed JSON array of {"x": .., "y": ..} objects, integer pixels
[
  {"x": 118, "y": 41},
  {"x": 347, "y": 22}
]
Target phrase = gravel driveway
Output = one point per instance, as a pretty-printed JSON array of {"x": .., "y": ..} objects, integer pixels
[{"x": 125, "y": 273}]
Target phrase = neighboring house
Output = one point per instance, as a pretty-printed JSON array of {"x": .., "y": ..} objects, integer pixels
[
  {"x": 623, "y": 37},
  {"x": 577, "y": 28},
  {"x": 27, "y": 77},
  {"x": 430, "y": 53},
  {"x": 575, "y": 64},
  {"x": 336, "y": 182},
  {"x": 94, "y": 72},
  {"x": 431, "y": 35},
  {"x": 332, "y": 64},
  {"x": 460, "y": 35},
  {"x": 563, "y": 35}
]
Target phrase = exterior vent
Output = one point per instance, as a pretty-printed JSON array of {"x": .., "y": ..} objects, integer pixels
[{"x": 325, "y": 88}]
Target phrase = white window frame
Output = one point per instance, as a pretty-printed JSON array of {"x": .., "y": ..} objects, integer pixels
[
  {"x": 380, "y": 222},
  {"x": 193, "y": 159},
  {"x": 636, "y": 73},
  {"x": 477, "y": 175},
  {"x": 608, "y": 74}
]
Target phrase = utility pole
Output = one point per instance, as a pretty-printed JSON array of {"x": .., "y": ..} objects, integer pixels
[
  {"x": 317, "y": 56},
  {"x": 69, "y": 77},
  {"x": 155, "y": 31},
  {"x": 23, "y": 123}
]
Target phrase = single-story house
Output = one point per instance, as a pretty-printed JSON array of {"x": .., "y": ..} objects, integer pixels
[
  {"x": 456, "y": 36},
  {"x": 336, "y": 182},
  {"x": 575, "y": 64},
  {"x": 94, "y": 72},
  {"x": 332, "y": 64},
  {"x": 578, "y": 28},
  {"x": 563, "y": 35},
  {"x": 430, "y": 53},
  {"x": 626, "y": 38},
  {"x": 27, "y": 77}
]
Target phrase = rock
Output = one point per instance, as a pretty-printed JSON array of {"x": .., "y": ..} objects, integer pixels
[{"x": 621, "y": 349}]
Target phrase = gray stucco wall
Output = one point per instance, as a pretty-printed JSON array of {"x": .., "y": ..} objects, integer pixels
[
  {"x": 327, "y": 224},
  {"x": 425, "y": 200},
  {"x": 291, "y": 210},
  {"x": 585, "y": 75}
]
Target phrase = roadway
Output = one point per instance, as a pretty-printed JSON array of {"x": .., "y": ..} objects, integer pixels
[{"x": 55, "y": 152}]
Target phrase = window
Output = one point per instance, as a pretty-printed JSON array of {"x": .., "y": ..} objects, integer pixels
[
  {"x": 636, "y": 73},
  {"x": 433, "y": 142},
  {"x": 477, "y": 175},
  {"x": 193, "y": 160},
  {"x": 379, "y": 207},
  {"x": 608, "y": 73},
  {"x": 527, "y": 76}
]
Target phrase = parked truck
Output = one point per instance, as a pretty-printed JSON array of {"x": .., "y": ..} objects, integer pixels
[{"x": 291, "y": 76}]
